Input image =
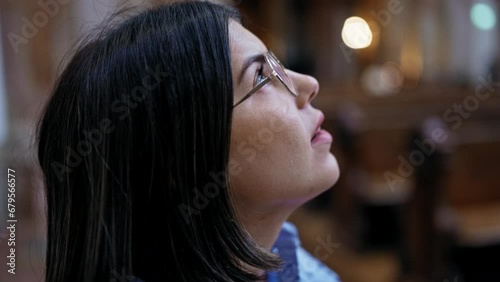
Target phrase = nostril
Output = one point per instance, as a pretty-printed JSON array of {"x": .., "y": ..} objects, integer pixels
[
  {"x": 313, "y": 88},
  {"x": 307, "y": 84}
]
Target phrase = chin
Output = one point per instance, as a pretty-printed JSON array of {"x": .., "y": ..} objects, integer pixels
[
  {"x": 324, "y": 177},
  {"x": 329, "y": 174}
]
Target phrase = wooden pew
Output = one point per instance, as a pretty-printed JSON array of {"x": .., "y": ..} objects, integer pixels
[{"x": 471, "y": 188}]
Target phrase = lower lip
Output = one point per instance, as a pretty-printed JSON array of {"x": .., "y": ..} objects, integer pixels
[{"x": 323, "y": 137}]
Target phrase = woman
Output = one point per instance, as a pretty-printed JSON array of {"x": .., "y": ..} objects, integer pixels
[{"x": 174, "y": 147}]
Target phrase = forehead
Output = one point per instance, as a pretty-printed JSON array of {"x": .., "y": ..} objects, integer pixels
[{"x": 243, "y": 43}]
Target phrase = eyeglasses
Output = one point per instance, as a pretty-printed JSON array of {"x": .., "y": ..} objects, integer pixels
[{"x": 276, "y": 70}]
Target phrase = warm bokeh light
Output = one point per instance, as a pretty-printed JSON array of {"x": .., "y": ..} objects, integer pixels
[
  {"x": 382, "y": 80},
  {"x": 483, "y": 16},
  {"x": 356, "y": 33},
  {"x": 411, "y": 63},
  {"x": 392, "y": 76}
]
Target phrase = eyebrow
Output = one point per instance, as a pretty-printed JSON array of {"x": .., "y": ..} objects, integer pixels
[{"x": 248, "y": 62}]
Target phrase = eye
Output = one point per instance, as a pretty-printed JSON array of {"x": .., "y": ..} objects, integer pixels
[{"x": 260, "y": 76}]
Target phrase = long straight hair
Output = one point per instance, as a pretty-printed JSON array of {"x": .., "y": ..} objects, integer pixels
[{"x": 134, "y": 148}]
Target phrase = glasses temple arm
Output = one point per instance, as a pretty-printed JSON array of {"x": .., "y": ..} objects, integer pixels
[{"x": 257, "y": 88}]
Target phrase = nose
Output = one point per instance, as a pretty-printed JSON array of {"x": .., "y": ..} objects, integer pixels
[{"x": 307, "y": 88}]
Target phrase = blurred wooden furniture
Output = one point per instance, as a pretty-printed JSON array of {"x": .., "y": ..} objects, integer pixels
[{"x": 471, "y": 187}]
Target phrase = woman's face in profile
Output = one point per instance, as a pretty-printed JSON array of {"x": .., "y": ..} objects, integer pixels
[{"x": 273, "y": 162}]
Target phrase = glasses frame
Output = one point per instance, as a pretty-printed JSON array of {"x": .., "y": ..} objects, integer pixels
[{"x": 269, "y": 56}]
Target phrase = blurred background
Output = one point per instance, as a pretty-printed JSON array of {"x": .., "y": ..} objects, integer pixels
[{"x": 411, "y": 94}]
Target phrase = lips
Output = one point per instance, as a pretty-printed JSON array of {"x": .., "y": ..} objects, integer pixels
[
  {"x": 317, "y": 129},
  {"x": 316, "y": 133},
  {"x": 321, "y": 136}
]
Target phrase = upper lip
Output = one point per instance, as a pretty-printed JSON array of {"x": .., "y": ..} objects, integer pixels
[{"x": 321, "y": 118}]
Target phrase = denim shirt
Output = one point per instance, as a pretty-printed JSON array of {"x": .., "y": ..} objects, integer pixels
[{"x": 299, "y": 265}]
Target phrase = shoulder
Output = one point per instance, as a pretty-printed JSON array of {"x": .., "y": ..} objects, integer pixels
[
  {"x": 313, "y": 270},
  {"x": 299, "y": 265}
]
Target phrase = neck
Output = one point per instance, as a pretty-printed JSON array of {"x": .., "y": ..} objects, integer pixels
[{"x": 264, "y": 225}]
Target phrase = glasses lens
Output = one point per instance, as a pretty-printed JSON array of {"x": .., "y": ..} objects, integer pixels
[{"x": 280, "y": 70}]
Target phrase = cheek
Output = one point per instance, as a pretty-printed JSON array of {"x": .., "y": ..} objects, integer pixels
[{"x": 269, "y": 152}]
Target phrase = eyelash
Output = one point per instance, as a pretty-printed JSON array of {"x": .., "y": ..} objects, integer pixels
[{"x": 259, "y": 75}]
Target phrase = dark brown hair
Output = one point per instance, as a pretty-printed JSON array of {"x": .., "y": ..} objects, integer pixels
[{"x": 134, "y": 147}]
